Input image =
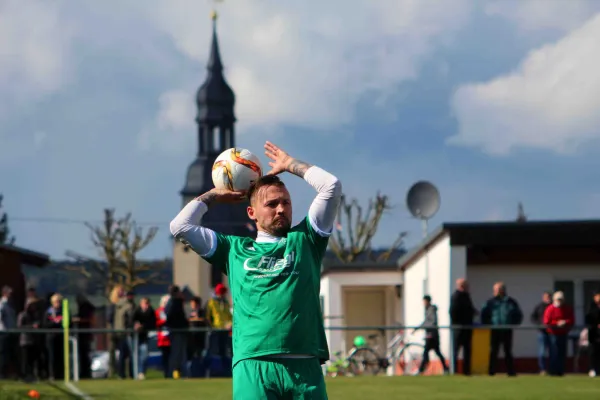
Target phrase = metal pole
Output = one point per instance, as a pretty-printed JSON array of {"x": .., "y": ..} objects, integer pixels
[
  {"x": 75, "y": 358},
  {"x": 426, "y": 278},
  {"x": 135, "y": 355},
  {"x": 65, "y": 324}
]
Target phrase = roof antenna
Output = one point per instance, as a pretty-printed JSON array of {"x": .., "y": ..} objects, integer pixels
[{"x": 521, "y": 216}]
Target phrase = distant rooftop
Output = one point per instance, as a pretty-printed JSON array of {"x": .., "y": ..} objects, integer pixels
[{"x": 551, "y": 233}]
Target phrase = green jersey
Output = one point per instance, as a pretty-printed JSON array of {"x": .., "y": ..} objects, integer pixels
[{"x": 275, "y": 290}]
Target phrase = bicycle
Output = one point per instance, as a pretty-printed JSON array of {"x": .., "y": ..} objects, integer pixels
[
  {"x": 370, "y": 360},
  {"x": 337, "y": 366}
]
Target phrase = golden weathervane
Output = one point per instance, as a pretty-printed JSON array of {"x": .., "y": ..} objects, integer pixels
[{"x": 213, "y": 13}]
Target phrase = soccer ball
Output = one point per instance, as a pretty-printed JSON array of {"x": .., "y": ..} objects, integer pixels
[{"x": 236, "y": 169}]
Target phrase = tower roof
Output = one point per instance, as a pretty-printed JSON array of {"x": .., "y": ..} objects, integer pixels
[{"x": 215, "y": 100}]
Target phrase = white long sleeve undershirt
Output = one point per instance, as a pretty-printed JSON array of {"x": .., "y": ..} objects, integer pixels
[{"x": 321, "y": 214}]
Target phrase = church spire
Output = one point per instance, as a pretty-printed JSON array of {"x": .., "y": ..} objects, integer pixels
[
  {"x": 216, "y": 132},
  {"x": 215, "y": 99},
  {"x": 215, "y": 65},
  {"x": 215, "y": 118}
]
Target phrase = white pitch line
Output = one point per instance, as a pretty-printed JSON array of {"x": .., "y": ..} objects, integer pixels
[{"x": 76, "y": 391}]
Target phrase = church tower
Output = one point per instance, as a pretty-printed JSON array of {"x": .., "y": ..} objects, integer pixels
[{"x": 215, "y": 118}]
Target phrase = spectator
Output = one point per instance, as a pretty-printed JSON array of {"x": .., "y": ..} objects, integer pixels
[
  {"x": 592, "y": 321},
  {"x": 123, "y": 320},
  {"x": 432, "y": 335},
  {"x": 84, "y": 320},
  {"x": 537, "y": 318},
  {"x": 559, "y": 319},
  {"x": 462, "y": 313},
  {"x": 501, "y": 311},
  {"x": 116, "y": 294},
  {"x": 177, "y": 323},
  {"x": 29, "y": 350},
  {"x": 8, "y": 320},
  {"x": 144, "y": 320},
  {"x": 163, "y": 339},
  {"x": 39, "y": 307},
  {"x": 55, "y": 341},
  {"x": 218, "y": 311},
  {"x": 197, "y": 341}
]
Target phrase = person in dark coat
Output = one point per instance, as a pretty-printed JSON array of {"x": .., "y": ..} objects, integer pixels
[
  {"x": 462, "y": 313},
  {"x": 537, "y": 318},
  {"x": 85, "y": 320},
  {"x": 177, "y": 323},
  {"x": 39, "y": 306},
  {"x": 501, "y": 310},
  {"x": 592, "y": 321},
  {"x": 197, "y": 340},
  {"x": 144, "y": 321},
  {"x": 30, "y": 352},
  {"x": 55, "y": 341}
]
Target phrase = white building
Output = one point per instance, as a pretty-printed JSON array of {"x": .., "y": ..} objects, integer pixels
[
  {"x": 529, "y": 257},
  {"x": 359, "y": 294}
]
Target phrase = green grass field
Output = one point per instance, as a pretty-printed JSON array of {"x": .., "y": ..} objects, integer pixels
[{"x": 422, "y": 388}]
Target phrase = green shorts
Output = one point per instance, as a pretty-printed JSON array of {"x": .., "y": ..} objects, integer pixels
[{"x": 278, "y": 379}]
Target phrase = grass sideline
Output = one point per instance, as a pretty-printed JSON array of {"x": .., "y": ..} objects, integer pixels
[
  {"x": 423, "y": 388},
  {"x": 10, "y": 390}
]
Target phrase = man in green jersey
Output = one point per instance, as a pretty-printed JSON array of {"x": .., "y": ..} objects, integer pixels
[{"x": 279, "y": 340}]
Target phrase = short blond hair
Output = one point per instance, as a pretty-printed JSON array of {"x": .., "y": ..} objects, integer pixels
[
  {"x": 115, "y": 294},
  {"x": 56, "y": 297},
  {"x": 558, "y": 295}
]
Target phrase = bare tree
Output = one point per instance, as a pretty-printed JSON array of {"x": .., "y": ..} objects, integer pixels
[
  {"x": 132, "y": 239},
  {"x": 356, "y": 229},
  {"x": 5, "y": 237},
  {"x": 119, "y": 242}
]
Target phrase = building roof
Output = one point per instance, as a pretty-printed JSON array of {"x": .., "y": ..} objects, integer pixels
[
  {"x": 28, "y": 257},
  {"x": 364, "y": 263},
  {"x": 215, "y": 98},
  {"x": 566, "y": 233}
]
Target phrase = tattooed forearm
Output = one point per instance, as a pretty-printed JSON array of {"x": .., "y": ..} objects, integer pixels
[
  {"x": 298, "y": 167},
  {"x": 207, "y": 198}
]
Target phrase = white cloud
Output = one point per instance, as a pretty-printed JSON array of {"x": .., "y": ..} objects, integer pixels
[
  {"x": 551, "y": 102},
  {"x": 308, "y": 63},
  {"x": 34, "y": 43},
  {"x": 174, "y": 124},
  {"x": 532, "y": 15},
  {"x": 34, "y": 63}
]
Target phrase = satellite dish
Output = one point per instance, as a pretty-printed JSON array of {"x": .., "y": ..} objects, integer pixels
[{"x": 423, "y": 200}]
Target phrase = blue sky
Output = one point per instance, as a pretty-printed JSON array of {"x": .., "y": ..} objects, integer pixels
[{"x": 495, "y": 102}]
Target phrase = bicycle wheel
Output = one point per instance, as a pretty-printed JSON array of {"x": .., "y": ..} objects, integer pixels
[
  {"x": 409, "y": 358},
  {"x": 363, "y": 361}
]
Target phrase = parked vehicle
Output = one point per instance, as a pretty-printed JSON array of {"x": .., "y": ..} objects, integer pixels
[{"x": 100, "y": 359}]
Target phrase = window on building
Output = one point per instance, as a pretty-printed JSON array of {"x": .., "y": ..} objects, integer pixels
[
  {"x": 568, "y": 288},
  {"x": 589, "y": 288}
]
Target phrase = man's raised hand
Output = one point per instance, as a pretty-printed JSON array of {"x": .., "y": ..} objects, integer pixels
[
  {"x": 280, "y": 159},
  {"x": 222, "y": 196}
]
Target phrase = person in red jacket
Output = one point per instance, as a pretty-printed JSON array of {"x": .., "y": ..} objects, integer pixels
[
  {"x": 163, "y": 341},
  {"x": 559, "y": 320}
]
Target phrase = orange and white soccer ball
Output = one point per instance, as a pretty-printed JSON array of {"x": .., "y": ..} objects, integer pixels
[{"x": 236, "y": 169}]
